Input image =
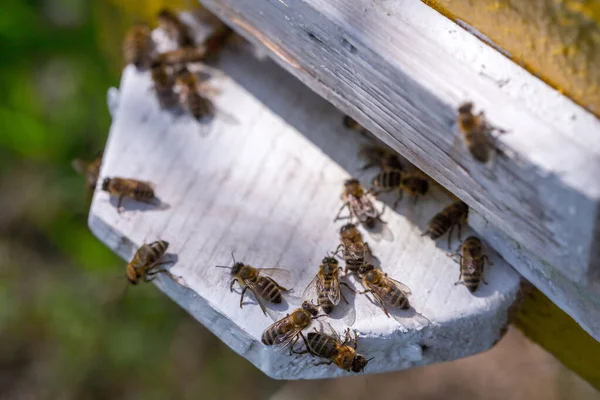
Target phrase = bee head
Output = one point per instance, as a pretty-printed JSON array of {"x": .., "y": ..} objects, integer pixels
[
  {"x": 237, "y": 267},
  {"x": 351, "y": 182},
  {"x": 346, "y": 228},
  {"x": 105, "y": 184},
  {"x": 359, "y": 363},
  {"x": 311, "y": 308},
  {"x": 465, "y": 108},
  {"x": 165, "y": 14},
  {"x": 329, "y": 260},
  {"x": 365, "y": 268}
]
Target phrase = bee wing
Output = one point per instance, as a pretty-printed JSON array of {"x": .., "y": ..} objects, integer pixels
[
  {"x": 276, "y": 273},
  {"x": 405, "y": 289},
  {"x": 334, "y": 294},
  {"x": 327, "y": 329},
  {"x": 311, "y": 291},
  {"x": 283, "y": 341}
]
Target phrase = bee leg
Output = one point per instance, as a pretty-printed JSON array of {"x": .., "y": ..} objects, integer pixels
[
  {"x": 323, "y": 363},
  {"x": 337, "y": 250},
  {"x": 367, "y": 166},
  {"x": 242, "y": 295},
  {"x": 294, "y": 341},
  {"x": 119, "y": 204},
  {"x": 486, "y": 258},
  {"x": 459, "y": 235},
  {"x": 450, "y": 236},
  {"x": 231, "y": 285},
  {"x": 398, "y": 199},
  {"x": 337, "y": 217}
]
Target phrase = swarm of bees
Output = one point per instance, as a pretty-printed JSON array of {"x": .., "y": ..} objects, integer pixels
[{"x": 175, "y": 85}]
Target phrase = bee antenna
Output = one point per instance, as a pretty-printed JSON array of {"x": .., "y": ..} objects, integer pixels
[
  {"x": 222, "y": 266},
  {"x": 233, "y": 257}
]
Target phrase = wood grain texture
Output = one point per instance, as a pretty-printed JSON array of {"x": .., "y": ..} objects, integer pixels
[
  {"x": 266, "y": 183},
  {"x": 401, "y": 69},
  {"x": 547, "y": 325}
]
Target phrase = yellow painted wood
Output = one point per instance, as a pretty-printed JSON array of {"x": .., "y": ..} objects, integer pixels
[
  {"x": 557, "y": 40},
  {"x": 547, "y": 325}
]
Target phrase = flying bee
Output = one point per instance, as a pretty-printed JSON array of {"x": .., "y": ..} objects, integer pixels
[
  {"x": 326, "y": 284},
  {"x": 122, "y": 187},
  {"x": 350, "y": 123},
  {"x": 145, "y": 261},
  {"x": 472, "y": 262},
  {"x": 287, "y": 330},
  {"x": 388, "y": 180},
  {"x": 138, "y": 47},
  {"x": 190, "y": 95},
  {"x": 476, "y": 132},
  {"x": 175, "y": 28},
  {"x": 360, "y": 204},
  {"x": 263, "y": 287},
  {"x": 380, "y": 156},
  {"x": 332, "y": 348},
  {"x": 387, "y": 291},
  {"x": 163, "y": 85},
  {"x": 89, "y": 169},
  {"x": 354, "y": 249},
  {"x": 445, "y": 221}
]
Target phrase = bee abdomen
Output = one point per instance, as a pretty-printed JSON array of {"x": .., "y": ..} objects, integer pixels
[
  {"x": 354, "y": 264},
  {"x": 321, "y": 345},
  {"x": 395, "y": 298},
  {"x": 268, "y": 337},
  {"x": 471, "y": 281},
  {"x": 388, "y": 179},
  {"x": 325, "y": 303},
  {"x": 268, "y": 290},
  {"x": 480, "y": 152},
  {"x": 416, "y": 185},
  {"x": 438, "y": 226}
]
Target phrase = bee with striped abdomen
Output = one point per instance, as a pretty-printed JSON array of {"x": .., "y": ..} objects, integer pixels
[
  {"x": 387, "y": 291},
  {"x": 138, "y": 47},
  {"x": 380, "y": 156},
  {"x": 326, "y": 286},
  {"x": 472, "y": 262},
  {"x": 360, "y": 204},
  {"x": 175, "y": 28},
  {"x": 136, "y": 190},
  {"x": 354, "y": 249},
  {"x": 191, "y": 97},
  {"x": 476, "y": 132},
  {"x": 145, "y": 261},
  {"x": 287, "y": 330},
  {"x": 182, "y": 55},
  {"x": 445, "y": 221},
  {"x": 413, "y": 183},
  {"x": 263, "y": 287},
  {"x": 331, "y": 347}
]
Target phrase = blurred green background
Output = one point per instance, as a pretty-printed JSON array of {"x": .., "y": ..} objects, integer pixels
[{"x": 68, "y": 328}]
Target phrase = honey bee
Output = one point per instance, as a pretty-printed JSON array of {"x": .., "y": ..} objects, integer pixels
[
  {"x": 360, "y": 204},
  {"x": 445, "y": 221},
  {"x": 190, "y": 96},
  {"x": 264, "y": 288},
  {"x": 472, "y": 262},
  {"x": 89, "y": 169},
  {"x": 163, "y": 85},
  {"x": 381, "y": 157},
  {"x": 355, "y": 126},
  {"x": 175, "y": 28},
  {"x": 326, "y": 284},
  {"x": 393, "y": 179},
  {"x": 332, "y": 348},
  {"x": 138, "y": 47},
  {"x": 122, "y": 187},
  {"x": 387, "y": 291},
  {"x": 287, "y": 330},
  {"x": 476, "y": 132},
  {"x": 182, "y": 55},
  {"x": 217, "y": 40},
  {"x": 354, "y": 249},
  {"x": 145, "y": 261}
]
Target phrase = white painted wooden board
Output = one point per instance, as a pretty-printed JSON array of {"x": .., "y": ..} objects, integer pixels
[
  {"x": 401, "y": 69},
  {"x": 266, "y": 183}
]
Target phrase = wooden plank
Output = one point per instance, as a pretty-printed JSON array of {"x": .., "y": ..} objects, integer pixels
[
  {"x": 547, "y": 325},
  {"x": 401, "y": 70},
  {"x": 265, "y": 183}
]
